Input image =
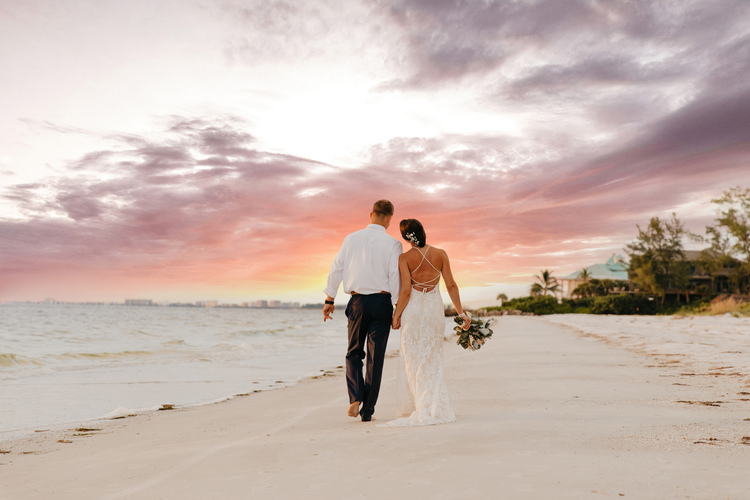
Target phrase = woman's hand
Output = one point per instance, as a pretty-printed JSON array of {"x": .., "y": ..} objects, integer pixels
[
  {"x": 467, "y": 321},
  {"x": 396, "y": 322}
]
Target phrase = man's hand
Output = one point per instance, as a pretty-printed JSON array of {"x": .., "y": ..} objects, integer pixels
[
  {"x": 327, "y": 311},
  {"x": 396, "y": 322}
]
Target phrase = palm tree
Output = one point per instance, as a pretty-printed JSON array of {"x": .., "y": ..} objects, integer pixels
[
  {"x": 536, "y": 289},
  {"x": 584, "y": 275},
  {"x": 583, "y": 290},
  {"x": 502, "y": 298},
  {"x": 546, "y": 283}
]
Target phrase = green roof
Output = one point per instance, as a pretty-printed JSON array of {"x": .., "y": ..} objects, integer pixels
[{"x": 615, "y": 269}]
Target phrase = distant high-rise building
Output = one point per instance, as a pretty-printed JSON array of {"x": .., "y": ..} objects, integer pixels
[
  {"x": 261, "y": 303},
  {"x": 274, "y": 303},
  {"x": 206, "y": 303},
  {"x": 139, "y": 302}
]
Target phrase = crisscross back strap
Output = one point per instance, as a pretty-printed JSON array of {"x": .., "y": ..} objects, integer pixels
[{"x": 429, "y": 283}]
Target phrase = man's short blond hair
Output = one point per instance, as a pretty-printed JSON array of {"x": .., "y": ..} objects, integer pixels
[{"x": 383, "y": 207}]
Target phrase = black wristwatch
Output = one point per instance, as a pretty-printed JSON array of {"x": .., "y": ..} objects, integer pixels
[{"x": 329, "y": 302}]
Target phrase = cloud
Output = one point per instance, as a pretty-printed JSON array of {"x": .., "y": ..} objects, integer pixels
[
  {"x": 199, "y": 189},
  {"x": 449, "y": 40},
  {"x": 278, "y": 33},
  {"x": 201, "y": 197},
  {"x": 200, "y": 204},
  {"x": 617, "y": 111},
  {"x": 559, "y": 41},
  {"x": 63, "y": 129},
  {"x": 707, "y": 140},
  {"x": 602, "y": 70}
]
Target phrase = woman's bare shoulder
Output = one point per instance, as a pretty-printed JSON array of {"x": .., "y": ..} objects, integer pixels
[
  {"x": 408, "y": 255},
  {"x": 439, "y": 251}
]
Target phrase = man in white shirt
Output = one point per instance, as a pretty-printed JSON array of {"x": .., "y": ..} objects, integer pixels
[{"x": 368, "y": 266}]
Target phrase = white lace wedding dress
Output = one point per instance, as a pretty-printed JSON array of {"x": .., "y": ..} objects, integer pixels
[{"x": 422, "y": 396}]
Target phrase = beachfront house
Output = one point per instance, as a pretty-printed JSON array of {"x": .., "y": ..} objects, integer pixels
[
  {"x": 615, "y": 269},
  {"x": 702, "y": 280}
]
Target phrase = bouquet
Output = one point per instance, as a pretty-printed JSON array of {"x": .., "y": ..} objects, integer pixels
[{"x": 477, "y": 334}]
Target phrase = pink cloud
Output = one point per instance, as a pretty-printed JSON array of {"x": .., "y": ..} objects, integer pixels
[{"x": 200, "y": 207}]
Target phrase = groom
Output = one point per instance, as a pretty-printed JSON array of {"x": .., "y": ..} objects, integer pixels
[{"x": 368, "y": 265}]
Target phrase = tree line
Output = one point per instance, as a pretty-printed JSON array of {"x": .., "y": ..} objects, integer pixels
[
  {"x": 657, "y": 256},
  {"x": 658, "y": 266}
]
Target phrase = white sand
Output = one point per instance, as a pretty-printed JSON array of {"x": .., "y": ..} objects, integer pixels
[
  {"x": 700, "y": 344},
  {"x": 544, "y": 412}
]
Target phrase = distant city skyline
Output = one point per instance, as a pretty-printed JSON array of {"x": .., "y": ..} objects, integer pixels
[
  {"x": 223, "y": 149},
  {"x": 258, "y": 304}
]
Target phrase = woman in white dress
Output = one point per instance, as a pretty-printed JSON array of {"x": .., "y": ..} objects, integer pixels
[{"x": 421, "y": 391}]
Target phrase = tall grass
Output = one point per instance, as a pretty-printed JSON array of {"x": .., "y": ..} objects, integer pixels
[{"x": 728, "y": 306}]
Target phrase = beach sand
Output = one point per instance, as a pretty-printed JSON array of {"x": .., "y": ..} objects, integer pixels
[{"x": 544, "y": 411}]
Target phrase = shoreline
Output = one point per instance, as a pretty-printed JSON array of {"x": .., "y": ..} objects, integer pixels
[
  {"x": 8, "y": 437},
  {"x": 44, "y": 436},
  {"x": 63, "y": 367},
  {"x": 543, "y": 412},
  {"x": 12, "y": 437},
  {"x": 134, "y": 364}
]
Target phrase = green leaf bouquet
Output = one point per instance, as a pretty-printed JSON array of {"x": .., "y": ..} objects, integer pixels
[{"x": 477, "y": 334}]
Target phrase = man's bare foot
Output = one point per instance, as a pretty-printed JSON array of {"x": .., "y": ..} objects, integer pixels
[{"x": 353, "y": 409}]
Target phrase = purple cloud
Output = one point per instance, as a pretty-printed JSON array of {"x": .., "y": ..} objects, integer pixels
[
  {"x": 451, "y": 39},
  {"x": 200, "y": 203}
]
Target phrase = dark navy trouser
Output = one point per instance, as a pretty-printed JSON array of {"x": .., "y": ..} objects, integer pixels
[{"x": 369, "y": 325}]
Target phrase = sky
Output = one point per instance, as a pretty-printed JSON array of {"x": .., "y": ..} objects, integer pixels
[{"x": 221, "y": 149}]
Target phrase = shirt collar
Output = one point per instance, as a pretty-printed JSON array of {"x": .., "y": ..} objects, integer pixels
[{"x": 376, "y": 226}]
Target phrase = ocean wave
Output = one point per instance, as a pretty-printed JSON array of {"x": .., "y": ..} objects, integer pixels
[
  {"x": 10, "y": 359},
  {"x": 268, "y": 332},
  {"x": 141, "y": 333},
  {"x": 106, "y": 355},
  {"x": 171, "y": 343}
]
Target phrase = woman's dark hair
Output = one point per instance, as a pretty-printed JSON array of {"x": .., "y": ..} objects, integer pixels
[{"x": 412, "y": 230}]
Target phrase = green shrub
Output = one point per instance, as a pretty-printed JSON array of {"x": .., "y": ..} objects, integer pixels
[
  {"x": 624, "y": 304},
  {"x": 695, "y": 307},
  {"x": 608, "y": 304},
  {"x": 536, "y": 305}
]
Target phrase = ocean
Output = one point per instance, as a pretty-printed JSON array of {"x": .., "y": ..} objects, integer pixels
[{"x": 65, "y": 363}]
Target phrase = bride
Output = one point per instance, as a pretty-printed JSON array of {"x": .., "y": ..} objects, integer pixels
[{"x": 421, "y": 391}]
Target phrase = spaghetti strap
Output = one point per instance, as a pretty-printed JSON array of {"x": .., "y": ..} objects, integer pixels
[{"x": 429, "y": 283}]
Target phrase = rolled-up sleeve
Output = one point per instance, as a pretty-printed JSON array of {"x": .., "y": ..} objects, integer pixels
[
  {"x": 394, "y": 276},
  {"x": 336, "y": 274}
]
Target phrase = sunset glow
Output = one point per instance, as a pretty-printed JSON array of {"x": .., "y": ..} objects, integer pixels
[{"x": 223, "y": 149}]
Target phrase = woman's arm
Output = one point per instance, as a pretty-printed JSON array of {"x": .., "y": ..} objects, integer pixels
[
  {"x": 403, "y": 297},
  {"x": 452, "y": 287}
]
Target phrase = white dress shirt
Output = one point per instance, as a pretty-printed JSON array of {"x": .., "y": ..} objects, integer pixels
[{"x": 367, "y": 263}]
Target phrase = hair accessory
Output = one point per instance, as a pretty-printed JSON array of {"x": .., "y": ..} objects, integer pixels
[{"x": 413, "y": 238}]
